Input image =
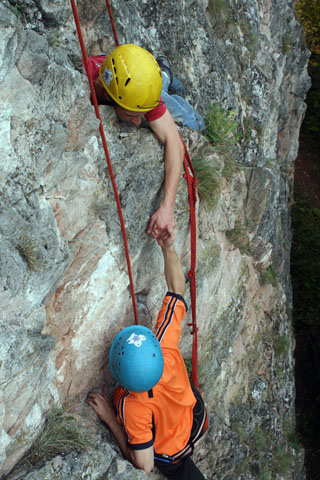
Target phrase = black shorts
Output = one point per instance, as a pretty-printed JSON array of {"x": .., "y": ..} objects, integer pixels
[
  {"x": 185, "y": 469},
  {"x": 180, "y": 466}
]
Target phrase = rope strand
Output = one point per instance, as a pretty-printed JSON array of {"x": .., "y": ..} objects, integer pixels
[
  {"x": 105, "y": 147},
  {"x": 112, "y": 23}
]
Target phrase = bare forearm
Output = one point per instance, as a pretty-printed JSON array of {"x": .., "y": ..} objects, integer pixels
[
  {"x": 173, "y": 270},
  {"x": 120, "y": 437},
  {"x": 173, "y": 166},
  {"x": 167, "y": 132}
]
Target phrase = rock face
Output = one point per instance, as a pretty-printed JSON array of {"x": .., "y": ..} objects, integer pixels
[{"x": 64, "y": 288}]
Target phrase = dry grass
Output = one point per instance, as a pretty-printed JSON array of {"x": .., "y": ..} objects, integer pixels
[
  {"x": 60, "y": 434},
  {"x": 209, "y": 180}
]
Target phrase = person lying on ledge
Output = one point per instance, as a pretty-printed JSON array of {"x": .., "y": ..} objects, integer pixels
[{"x": 136, "y": 85}]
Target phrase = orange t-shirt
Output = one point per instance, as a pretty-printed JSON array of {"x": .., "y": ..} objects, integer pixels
[{"x": 165, "y": 419}]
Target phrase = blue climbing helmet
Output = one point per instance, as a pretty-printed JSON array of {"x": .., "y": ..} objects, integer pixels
[{"x": 136, "y": 360}]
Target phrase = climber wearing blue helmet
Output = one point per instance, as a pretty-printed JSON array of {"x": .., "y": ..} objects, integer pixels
[
  {"x": 160, "y": 416},
  {"x": 136, "y": 360}
]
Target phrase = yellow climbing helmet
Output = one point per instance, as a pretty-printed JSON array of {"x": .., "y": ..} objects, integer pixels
[{"x": 132, "y": 77}]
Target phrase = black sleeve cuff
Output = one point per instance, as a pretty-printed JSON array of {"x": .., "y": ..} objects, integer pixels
[
  {"x": 180, "y": 297},
  {"x": 140, "y": 446}
]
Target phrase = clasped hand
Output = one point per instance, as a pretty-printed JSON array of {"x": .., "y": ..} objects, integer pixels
[{"x": 162, "y": 223}]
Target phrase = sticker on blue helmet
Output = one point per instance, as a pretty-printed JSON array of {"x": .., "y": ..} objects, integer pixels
[{"x": 136, "y": 340}]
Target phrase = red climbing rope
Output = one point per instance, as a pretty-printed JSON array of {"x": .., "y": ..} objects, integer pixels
[
  {"x": 192, "y": 189},
  {"x": 104, "y": 142},
  {"x": 112, "y": 23}
]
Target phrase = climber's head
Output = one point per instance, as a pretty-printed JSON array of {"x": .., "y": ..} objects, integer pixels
[
  {"x": 128, "y": 115},
  {"x": 136, "y": 360},
  {"x": 132, "y": 78}
]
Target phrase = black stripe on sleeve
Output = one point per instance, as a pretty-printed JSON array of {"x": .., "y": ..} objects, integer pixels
[
  {"x": 179, "y": 297},
  {"x": 167, "y": 319}
]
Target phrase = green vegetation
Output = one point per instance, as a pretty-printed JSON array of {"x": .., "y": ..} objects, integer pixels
[
  {"x": 287, "y": 44},
  {"x": 222, "y": 133},
  {"x": 308, "y": 13},
  {"x": 209, "y": 180},
  {"x": 291, "y": 434},
  {"x": 54, "y": 39},
  {"x": 251, "y": 39},
  {"x": 268, "y": 276},
  {"x": 256, "y": 307},
  {"x": 208, "y": 258},
  {"x": 267, "y": 455},
  {"x": 15, "y": 9},
  {"x": 281, "y": 345},
  {"x": 61, "y": 434},
  {"x": 259, "y": 439},
  {"x": 282, "y": 460},
  {"x": 29, "y": 251},
  {"x": 218, "y": 7},
  {"x": 248, "y": 125},
  {"x": 239, "y": 238},
  {"x": 221, "y": 128},
  {"x": 99, "y": 206}
]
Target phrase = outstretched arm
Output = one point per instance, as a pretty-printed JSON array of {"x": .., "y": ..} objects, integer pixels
[
  {"x": 162, "y": 221},
  {"x": 172, "y": 266}
]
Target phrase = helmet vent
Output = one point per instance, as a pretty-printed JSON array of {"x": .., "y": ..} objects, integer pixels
[{"x": 127, "y": 81}]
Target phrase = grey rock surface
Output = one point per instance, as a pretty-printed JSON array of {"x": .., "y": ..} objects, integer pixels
[{"x": 62, "y": 261}]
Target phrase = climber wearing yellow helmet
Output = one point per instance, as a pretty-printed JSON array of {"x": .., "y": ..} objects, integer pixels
[{"x": 130, "y": 79}]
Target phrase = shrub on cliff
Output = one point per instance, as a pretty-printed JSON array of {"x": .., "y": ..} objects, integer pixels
[{"x": 308, "y": 13}]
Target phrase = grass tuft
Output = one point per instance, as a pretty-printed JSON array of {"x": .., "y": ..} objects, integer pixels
[
  {"x": 209, "y": 180},
  {"x": 15, "y": 10},
  {"x": 281, "y": 345},
  {"x": 268, "y": 277},
  {"x": 29, "y": 250},
  {"x": 239, "y": 238},
  {"x": 222, "y": 133},
  {"x": 221, "y": 128},
  {"x": 54, "y": 39},
  {"x": 291, "y": 434},
  {"x": 60, "y": 434},
  {"x": 282, "y": 461}
]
